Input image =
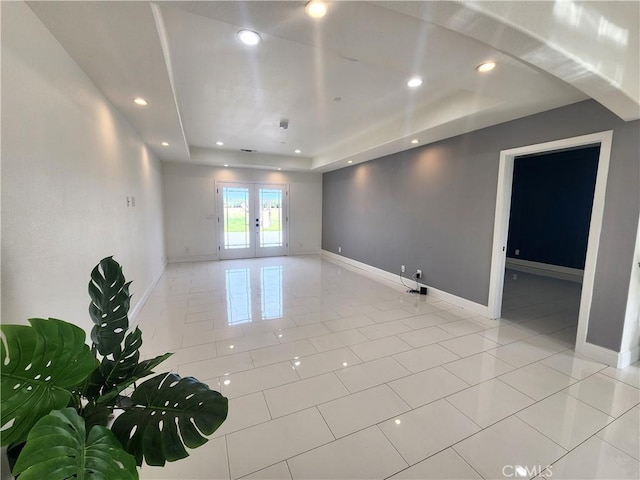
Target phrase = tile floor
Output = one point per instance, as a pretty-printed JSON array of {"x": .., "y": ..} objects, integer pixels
[{"x": 331, "y": 374}]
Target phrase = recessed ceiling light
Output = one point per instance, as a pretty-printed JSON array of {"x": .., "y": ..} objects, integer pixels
[
  {"x": 486, "y": 67},
  {"x": 249, "y": 37},
  {"x": 414, "y": 82},
  {"x": 350, "y": 161},
  {"x": 165, "y": 144},
  {"x": 220, "y": 143},
  {"x": 298, "y": 150},
  {"x": 415, "y": 140},
  {"x": 226, "y": 165},
  {"x": 316, "y": 8},
  {"x": 140, "y": 101},
  {"x": 279, "y": 169}
]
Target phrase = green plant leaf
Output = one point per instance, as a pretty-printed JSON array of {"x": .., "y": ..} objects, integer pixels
[
  {"x": 169, "y": 413},
  {"x": 40, "y": 364},
  {"x": 59, "y": 448},
  {"x": 109, "y": 306}
]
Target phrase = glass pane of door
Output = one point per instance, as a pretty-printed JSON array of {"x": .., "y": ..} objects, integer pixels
[
  {"x": 271, "y": 218},
  {"x": 235, "y": 221}
]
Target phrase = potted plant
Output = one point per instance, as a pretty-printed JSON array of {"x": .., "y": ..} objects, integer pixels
[{"x": 58, "y": 394}]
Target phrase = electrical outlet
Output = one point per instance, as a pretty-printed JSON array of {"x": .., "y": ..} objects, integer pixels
[
  {"x": 517, "y": 251},
  {"x": 339, "y": 249},
  {"x": 402, "y": 268},
  {"x": 418, "y": 273}
]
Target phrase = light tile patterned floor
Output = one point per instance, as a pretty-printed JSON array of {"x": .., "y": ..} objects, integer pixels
[{"x": 331, "y": 374}]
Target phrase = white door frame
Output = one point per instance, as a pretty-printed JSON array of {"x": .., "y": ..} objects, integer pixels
[{"x": 503, "y": 208}]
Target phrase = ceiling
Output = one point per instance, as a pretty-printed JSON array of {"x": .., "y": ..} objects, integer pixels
[{"x": 341, "y": 81}]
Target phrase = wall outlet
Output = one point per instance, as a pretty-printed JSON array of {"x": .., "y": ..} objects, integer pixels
[
  {"x": 402, "y": 268},
  {"x": 418, "y": 273},
  {"x": 517, "y": 251},
  {"x": 339, "y": 249}
]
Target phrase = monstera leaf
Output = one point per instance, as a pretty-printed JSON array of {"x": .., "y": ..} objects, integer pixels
[
  {"x": 40, "y": 364},
  {"x": 58, "y": 447},
  {"x": 109, "y": 305},
  {"x": 169, "y": 413}
]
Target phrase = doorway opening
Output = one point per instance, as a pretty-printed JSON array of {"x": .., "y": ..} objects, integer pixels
[
  {"x": 253, "y": 220},
  {"x": 502, "y": 215}
]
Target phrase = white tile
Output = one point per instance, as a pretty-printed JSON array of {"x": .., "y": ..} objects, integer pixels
[
  {"x": 268, "y": 325},
  {"x": 444, "y": 465},
  {"x": 279, "y": 353},
  {"x": 505, "y": 334},
  {"x": 216, "y": 367},
  {"x": 425, "y": 336},
  {"x": 337, "y": 340},
  {"x": 595, "y": 459},
  {"x": 489, "y": 402},
  {"x": 353, "y": 310},
  {"x": 629, "y": 375},
  {"x": 330, "y": 361},
  {"x": 279, "y": 471},
  {"x": 424, "y": 431},
  {"x": 244, "y": 344},
  {"x": 341, "y": 324},
  {"x": 382, "y": 347},
  {"x": 207, "y": 462},
  {"x": 420, "y": 308},
  {"x": 303, "y": 394},
  {"x": 469, "y": 345},
  {"x": 379, "y": 316},
  {"x": 361, "y": 410},
  {"x": 624, "y": 433},
  {"x": 201, "y": 336},
  {"x": 478, "y": 368},
  {"x": 520, "y": 353},
  {"x": 462, "y": 327},
  {"x": 495, "y": 451},
  {"x": 549, "y": 343},
  {"x": 363, "y": 455},
  {"x": 250, "y": 381},
  {"x": 372, "y": 373},
  {"x": 606, "y": 394},
  {"x": 263, "y": 445},
  {"x": 424, "y": 321},
  {"x": 244, "y": 412},
  {"x": 564, "y": 419},
  {"x": 574, "y": 365},
  {"x": 386, "y": 329},
  {"x": 424, "y": 358},
  {"x": 537, "y": 380},
  {"x": 299, "y": 333},
  {"x": 425, "y": 387}
]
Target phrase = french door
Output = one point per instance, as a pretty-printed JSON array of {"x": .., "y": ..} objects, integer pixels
[{"x": 253, "y": 220}]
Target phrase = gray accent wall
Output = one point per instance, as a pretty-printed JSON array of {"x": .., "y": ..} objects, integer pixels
[{"x": 432, "y": 208}]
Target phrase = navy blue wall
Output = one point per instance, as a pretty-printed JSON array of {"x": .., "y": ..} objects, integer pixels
[{"x": 551, "y": 207}]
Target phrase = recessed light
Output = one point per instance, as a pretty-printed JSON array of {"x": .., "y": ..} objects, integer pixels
[
  {"x": 350, "y": 161},
  {"x": 414, "y": 82},
  {"x": 279, "y": 169},
  {"x": 486, "y": 67},
  {"x": 249, "y": 37},
  {"x": 226, "y": 165},
  {"x": 415, "y": 140},
  {"x": 316, "y": 8},
  {"x": 140, "y": 101},
  {"x": 220, "y": 144},
  {"x": 298, "y": 150},
  {"x": 165, "y": 144}
]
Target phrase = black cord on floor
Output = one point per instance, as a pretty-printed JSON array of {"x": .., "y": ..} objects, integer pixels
[{"x": 410, "y": 290}]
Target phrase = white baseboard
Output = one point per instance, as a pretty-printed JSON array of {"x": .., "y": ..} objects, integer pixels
[
  {"x": 394, "y": 281},
  {"x": 135, "y": 311},
  {"x": 193, "y": 258},
  {"x": 545, "y": 269},
  {"x": 609, "y": 357}
]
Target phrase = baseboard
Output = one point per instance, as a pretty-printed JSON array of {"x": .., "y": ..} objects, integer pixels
[
  {"x": 193, "y": 258},
  {"x": 545, "y": 269},
  {"x": 135, "y": 311},
  {"x": 394, "y": 281},
  {"x": 610, "y": 357}
]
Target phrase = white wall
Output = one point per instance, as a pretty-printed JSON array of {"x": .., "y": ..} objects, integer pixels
[
  {"x": 69, "y": 160},
  {"x": 190, "y": 208}
]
